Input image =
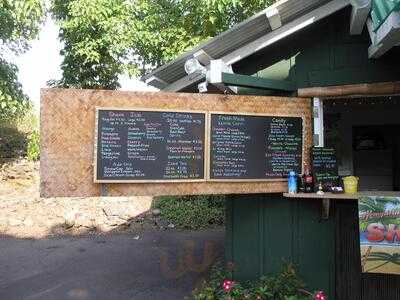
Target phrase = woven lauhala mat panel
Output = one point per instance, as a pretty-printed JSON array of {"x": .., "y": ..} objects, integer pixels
[{"x": 68, "y": 127}]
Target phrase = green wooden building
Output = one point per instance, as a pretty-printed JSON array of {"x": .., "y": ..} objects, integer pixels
[{"x": 291, "y": 46}]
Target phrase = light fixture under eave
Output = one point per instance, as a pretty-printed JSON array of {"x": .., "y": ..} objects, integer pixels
[
  {"x": 192, "y": 66},
  {"x": 202, "y": 87}
]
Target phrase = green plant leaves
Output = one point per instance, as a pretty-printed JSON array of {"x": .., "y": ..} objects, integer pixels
[
  {"x": 20, "y": 22},
  {"x": 33, "y": 150},
  {"x": 285, "y": 285},
  {"x": 106, "y": 38},
  {"x": 13, "y": 102},
  {"x": 192, "y": 212}
]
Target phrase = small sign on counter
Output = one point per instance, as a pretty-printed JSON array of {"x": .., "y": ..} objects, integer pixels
[{"x": 324, "y": 168}]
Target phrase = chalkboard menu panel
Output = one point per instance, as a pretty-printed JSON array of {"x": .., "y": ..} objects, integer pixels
[
  {"x": 324, "y": 167},
  {"x": 254, "y": 147},
  {"x": 138, "y": 146}
]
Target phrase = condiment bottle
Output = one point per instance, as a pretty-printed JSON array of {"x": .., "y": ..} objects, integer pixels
[
  {"x": 300, "y": 183},
  {"x": 308, "y": 182}
]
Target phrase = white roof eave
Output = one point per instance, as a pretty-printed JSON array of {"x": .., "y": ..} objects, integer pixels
[{"x": 265, "y": 41}]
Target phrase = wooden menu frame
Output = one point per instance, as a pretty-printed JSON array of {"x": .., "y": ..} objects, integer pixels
[
  {"x": 136, "y": 109},
  {"x": 255, "y": 115}
]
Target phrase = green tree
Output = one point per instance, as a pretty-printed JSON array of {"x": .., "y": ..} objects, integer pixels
[
  {"x": 13, "y": 102},
  {"x": 93, "y": 33},
  {"x": 105, "y": 38},
  {"x": 19, "y": 23}
]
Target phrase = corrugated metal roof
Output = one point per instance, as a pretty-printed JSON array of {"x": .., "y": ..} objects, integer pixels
[
  {"x": 216, "y": 47},
  {"x": 382, "y": 9},
  {"x": 239, "y": 35},
  {"x": 291, "y": 10}
]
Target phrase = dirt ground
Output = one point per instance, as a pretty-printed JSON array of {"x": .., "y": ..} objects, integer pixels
[{"x": 24, "y": 214}]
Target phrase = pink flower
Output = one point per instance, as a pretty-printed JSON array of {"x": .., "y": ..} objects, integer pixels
[
  {"x": 227, "y": 285},
  {"x": 320, "y": 295}
]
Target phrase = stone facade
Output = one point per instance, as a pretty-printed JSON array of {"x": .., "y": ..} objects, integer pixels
[{"x": 24, "y": 214}]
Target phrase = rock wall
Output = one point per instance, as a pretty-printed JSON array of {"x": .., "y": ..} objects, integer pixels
[
  {"x": 43, "y": 217},
  {"x": 24, "y": 214}
]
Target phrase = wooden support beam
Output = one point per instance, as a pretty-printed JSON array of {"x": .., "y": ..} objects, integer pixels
[
  {"x": 203, "y": 57},
  {"x": 359, "y": 15},
  {"x": 257, "y": 82},
  {"x": 274, "y": 18},
  {"x": 366, "y": 89},
  {"x": 214, "y": 76},
  {"x": 318, "y": 116}
]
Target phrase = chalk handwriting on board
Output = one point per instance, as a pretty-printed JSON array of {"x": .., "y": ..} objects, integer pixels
[
  {"x": 325, "y": 168},
  {"x": 254, "y": 147},
  {"x": 150, "y": 146}
]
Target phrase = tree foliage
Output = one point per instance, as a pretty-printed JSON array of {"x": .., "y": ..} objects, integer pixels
[
  {"x": 19, "y": 23},
  {"x": 93, "y": 33},
  {"x": 106, "y": 38},
  {"x": 13, "y": 101}
]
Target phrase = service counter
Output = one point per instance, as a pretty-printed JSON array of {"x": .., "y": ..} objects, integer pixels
[
  {"x": 328, "y": 197},
  {"x": 334, "y": 196}
]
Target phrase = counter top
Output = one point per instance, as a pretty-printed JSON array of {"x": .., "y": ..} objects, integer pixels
[{"x": 343, "y": 196}]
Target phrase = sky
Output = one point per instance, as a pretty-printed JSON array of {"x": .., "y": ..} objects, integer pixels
[{"x": 42, "y": 63}]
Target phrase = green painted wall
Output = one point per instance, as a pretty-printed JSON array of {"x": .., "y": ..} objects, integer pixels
[{"x": 264, "y": 231}]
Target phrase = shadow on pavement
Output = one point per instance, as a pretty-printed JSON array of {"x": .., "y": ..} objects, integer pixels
[{"x": 140, "y": 264}]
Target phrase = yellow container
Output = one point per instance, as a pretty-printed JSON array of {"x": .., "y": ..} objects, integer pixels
[{"x": 350, "y": 184}]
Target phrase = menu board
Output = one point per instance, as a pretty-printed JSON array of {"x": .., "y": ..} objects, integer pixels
[
  {"x": 324, "y": 167},
  {"x": 137, "y": 146},
  {"x": 254, "y": 147}
]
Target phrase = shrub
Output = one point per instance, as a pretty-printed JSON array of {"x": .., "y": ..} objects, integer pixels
[
  {"x": 33, "y": 150},
  {"x": 192, "y": 212},
  {"x": 15, "y": 135},
  {"x": 285, "y": 285},
  {"x": 12, "y": 142}
]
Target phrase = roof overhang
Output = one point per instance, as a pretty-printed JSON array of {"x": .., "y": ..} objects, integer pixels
[
  {"x": 271, "y": 25},
  {"x": 284, "y": 18}
]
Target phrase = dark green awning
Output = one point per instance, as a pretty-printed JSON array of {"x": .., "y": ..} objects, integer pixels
[{"x": 381, "y": 9}]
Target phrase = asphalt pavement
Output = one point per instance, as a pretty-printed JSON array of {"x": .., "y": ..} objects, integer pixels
[{"x": 151, "y": 265}]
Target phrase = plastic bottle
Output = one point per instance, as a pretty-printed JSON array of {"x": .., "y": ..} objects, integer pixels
[
  {"x": 292, "y": 183},
  {"x": 300, "y": 183},
  {"x": 308, "y": 182}
]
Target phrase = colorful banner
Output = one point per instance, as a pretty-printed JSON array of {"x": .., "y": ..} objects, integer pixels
[{"x": 380, "y": 234}]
